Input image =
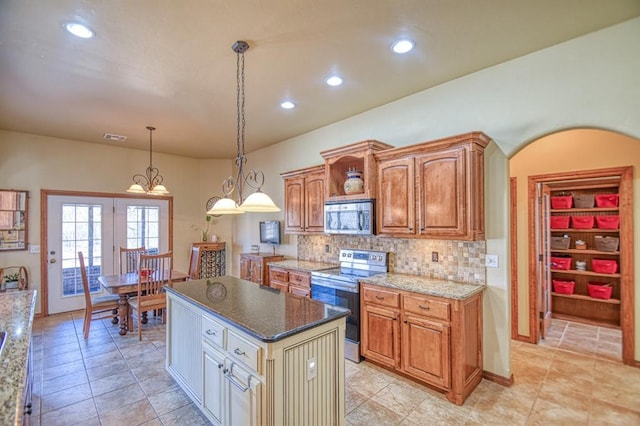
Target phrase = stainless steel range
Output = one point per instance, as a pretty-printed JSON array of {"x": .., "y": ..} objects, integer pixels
[{"x": 340, "y": 287}]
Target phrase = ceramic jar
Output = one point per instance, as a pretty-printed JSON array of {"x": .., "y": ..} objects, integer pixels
[{"x": 354, "y": 183}]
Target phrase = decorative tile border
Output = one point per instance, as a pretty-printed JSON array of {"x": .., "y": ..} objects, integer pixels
[{"x": 461, "y": 261}]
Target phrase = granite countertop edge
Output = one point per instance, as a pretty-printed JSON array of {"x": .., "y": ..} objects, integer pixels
[
  {"x": 425, "y": 285},
  {"x": 235, "y": 323},
  {"x": 14, "y": 359},
  {"x": 303, "y": 265}
]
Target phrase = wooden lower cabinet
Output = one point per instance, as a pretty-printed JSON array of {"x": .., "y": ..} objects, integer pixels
[
  {"x": 290, "y": 280},
  {"x": 253, "y": 266},
  {"x": 434, "y": 340}
]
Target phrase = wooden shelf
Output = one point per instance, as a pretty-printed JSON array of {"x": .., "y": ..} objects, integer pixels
[
  {"x": 577, "y": 251},
  {"x": 589, "y": 273},
  {"x": 594, "y": 230},
  {"x": 589, "y": 209},
  {"x": 582, "y": 297}
]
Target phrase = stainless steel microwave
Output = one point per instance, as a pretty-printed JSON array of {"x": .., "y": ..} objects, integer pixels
[{"x": 350, "y": 217}]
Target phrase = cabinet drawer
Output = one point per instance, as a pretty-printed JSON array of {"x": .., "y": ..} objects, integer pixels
[
  {"x": 427, "y": 307},
  {"x": 278, "y": 275},
  {"x": 245, "y": 351},
  {"x": 300, "y": 279},
  {"x": 382, "y": 297},
  {"x": 279, "y": 285},
  {"x": 300, "y": 291},
  {"x": 213, "y": 331}
]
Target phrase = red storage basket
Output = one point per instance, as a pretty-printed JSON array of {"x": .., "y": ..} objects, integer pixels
[
  {"x": 604, "y": 266},
  {"x": 563, "y": 287},
  {"x": 606, "y": 200},
  {"x": 582, "y": 222},
  {"x": 563, "y": 263},
  {"x": 563, "y": 202},
  {"x": 608, "y": 222},
  {"x": 559, "y": 222},
  {"x": 599, "y": 290}
]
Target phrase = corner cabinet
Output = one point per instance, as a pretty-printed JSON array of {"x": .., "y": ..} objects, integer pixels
[
  {"x": 304, "y": 191},
  {"x": 253, "y": 266},
  {"x": 434, "y": 340},
  {"x": 433, "y": 190}
]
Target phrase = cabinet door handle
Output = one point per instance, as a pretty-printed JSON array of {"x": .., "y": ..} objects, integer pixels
[
  {"x": 379, "y": 297},
  {"x": 426, "y": 308},
  {"x": 211, "y": 333},
  {"x": 238, "y": 385},
  {"x": 238, "y": 352}
]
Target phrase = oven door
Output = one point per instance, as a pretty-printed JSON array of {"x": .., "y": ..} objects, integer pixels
[{"x": 345, "y": 299}]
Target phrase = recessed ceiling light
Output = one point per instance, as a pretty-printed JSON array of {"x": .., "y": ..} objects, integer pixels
[
  {"x": 334, "y": 80},
  {"x": 402, "y": 46},
  {"x": 79, "y": 30},
  {"x": 287, "y": 105}
]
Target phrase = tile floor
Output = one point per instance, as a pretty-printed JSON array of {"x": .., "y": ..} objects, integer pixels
[{"x": 572, "y": 378}]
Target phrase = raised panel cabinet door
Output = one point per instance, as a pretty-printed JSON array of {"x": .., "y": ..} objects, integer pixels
[
  {"x": 294, "y": 204},
  {"x": 396, "y": 196},
  {"x": 442, "y": 190},
  {"x": 213, "y": 393},
  {"x": 256, "y": 271},
  {"x": 245, "y": 268},
  {"x": 381, "y": 335},
  {"x": 314, "y": 202},
  {"x": 426, "y": 350}
]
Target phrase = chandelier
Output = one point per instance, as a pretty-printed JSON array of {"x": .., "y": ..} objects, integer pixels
[
  {"x": 151, "y": 182},
  {"x": 258, "y": 201}
]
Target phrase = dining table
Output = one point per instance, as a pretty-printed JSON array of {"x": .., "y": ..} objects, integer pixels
[{"x": 125, "y": 285}]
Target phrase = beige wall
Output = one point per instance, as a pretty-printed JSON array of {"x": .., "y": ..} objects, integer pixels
[
  {"x": 33, "y": 163},
  {"x": 563, "y": 152}
]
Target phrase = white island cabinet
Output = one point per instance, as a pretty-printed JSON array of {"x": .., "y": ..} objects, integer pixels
[{"x": 251, "y": 355}]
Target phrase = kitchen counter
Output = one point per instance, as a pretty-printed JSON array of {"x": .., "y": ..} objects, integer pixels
[
  {"x": 263, "y": 312},
  {"x": 16, "y": 319},
  {"x": 425, "y": 285},
  {"x": 303, "y": 265}
]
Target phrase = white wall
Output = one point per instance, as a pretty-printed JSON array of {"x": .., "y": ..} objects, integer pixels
[{"x": 591, "y": 81}]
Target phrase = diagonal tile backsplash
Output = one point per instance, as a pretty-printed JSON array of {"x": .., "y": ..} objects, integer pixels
[{"x": 461, "y": 261}]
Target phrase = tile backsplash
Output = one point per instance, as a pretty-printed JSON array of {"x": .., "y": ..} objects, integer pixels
[{"x": 461, "y": 261}]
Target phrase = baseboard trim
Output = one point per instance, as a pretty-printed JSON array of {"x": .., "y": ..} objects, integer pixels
[
  {"x": 503, "y": 381},
  {"x": 522, "y": 338}
]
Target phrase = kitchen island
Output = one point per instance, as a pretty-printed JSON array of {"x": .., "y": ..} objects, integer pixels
[
  {"x": 17, "y": 309},
  {"x": 250, "y": 354}
]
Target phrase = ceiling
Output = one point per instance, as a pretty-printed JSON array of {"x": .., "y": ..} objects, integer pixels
[{"x": 169, "y": 63}]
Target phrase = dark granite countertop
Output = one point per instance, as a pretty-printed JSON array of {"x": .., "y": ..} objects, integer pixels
[
  {"x": 17, "y": 309},
  {"x": 425, "y": 285},
  {"x": 303, "y": 265},
  {"x": 263, "y": 312}
]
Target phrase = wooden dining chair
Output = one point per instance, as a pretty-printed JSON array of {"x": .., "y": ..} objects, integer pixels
[
  {"x": 154, "y": 271},
  {"x": 97, "y": 307},
  {"x": 129, "y": 258}
]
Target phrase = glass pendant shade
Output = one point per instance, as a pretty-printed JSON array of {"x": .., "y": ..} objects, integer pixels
[
  {"x": 225, "y": 206},
  {"x": 259, "y": 202},
  {"x": 159, "y": 190},
  {"x": 136, "y": 189}
]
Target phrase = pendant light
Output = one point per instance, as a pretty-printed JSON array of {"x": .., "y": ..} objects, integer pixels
[
  {"x": 151, "y": 182},
  {"x": 258, "y": 201}
]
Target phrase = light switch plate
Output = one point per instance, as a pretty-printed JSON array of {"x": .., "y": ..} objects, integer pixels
[
  {"x": 33, "y": 249},
  {"x": 312, "y": 368},
  {"x": 491, "y": 260}
]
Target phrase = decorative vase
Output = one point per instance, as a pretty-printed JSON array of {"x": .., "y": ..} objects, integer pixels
[{"x": 354, "y": 183}]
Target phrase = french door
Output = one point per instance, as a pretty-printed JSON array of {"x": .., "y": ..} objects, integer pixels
[{"x": 97, "y": 226}]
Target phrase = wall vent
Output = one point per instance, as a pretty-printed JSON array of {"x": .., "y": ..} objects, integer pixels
[{"x": 112, "y": 137}]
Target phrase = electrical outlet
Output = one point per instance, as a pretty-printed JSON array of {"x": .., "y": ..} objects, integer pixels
[
  {"x": 326, "y": 248},
  {"x": 434, "y": 256},
  {"x": 491, "y": 260},
  {"x": 312, "y": 368}
]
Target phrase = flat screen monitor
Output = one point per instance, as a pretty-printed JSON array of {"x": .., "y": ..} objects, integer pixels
[{"x": 270, "y": 232}]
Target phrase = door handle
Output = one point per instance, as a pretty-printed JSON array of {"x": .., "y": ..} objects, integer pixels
[{"x": 52, "y": 261}]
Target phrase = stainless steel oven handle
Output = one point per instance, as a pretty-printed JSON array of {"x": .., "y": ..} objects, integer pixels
[{"x": 328, "y": 283}]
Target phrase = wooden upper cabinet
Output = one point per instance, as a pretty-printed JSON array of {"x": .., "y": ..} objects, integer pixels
[
  {"x": 434, "y": 189},
  {"x": 441, "y": 193},
  {"x": 304, "y": 191},
  {"x": 396, "y": 196}
]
